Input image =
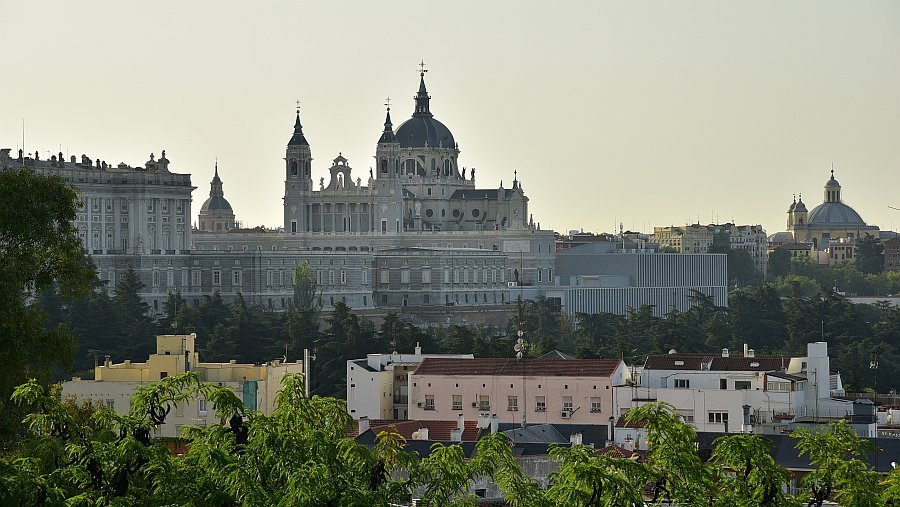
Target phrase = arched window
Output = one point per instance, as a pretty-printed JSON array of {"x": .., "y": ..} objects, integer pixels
[{"x": 293, "y": 168}]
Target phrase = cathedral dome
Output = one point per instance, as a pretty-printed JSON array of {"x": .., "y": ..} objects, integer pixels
[
  {"x": 216, "y": 203},
  {"x": 835, "y": 214},
  {"x": 422, "y": 130}
]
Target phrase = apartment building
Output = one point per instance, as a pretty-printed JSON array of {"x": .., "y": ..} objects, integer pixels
[{"x": 530, "y": 391}]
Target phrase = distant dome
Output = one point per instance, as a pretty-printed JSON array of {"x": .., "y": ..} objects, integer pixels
[
  {"x": 832, "y": 182},
  {"x": 419, "y": 130},
  {"x": 780, "y": 238},
  {"x": 215, "y": 203},
  {"x": 800, "y": 207},
  {"x": 835, "y": 214}
]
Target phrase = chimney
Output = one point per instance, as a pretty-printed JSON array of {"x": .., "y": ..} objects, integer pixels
[
  {"x": 724, "y": 352},
  {"x": 456, "y": 435},
  {"x": 72, "y": 159},
  {"x": 495, "y": 423},
  {"x": 751, "y": 353},
  {"x": 575, "y": 438},
  {"x": 461, "y": 421},
  {"x": 363, "y": 425},
  {"x": 418, "y": 349},
  {"x": 746, "y": 350},
  {"x": 107, "y": 361},
  {"x": 420, "y": 434}
]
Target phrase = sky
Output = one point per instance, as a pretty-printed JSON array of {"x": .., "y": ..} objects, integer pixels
[{"x": 632, "y": 112}]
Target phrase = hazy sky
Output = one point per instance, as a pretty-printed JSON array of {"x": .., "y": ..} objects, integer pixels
[{"x": 647, "y": 113}]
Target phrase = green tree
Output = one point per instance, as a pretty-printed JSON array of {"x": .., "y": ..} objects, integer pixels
[
  {"x": 39, "y": 251},
  {"x": 133, "y": 312},
  {"x": 302, "y": 321},
  {"x": 748, "y": 475},
  {"x": 838, "y": 473},
  {"x": 869, "y": 254},
  {"x": 779, "y": 263}
]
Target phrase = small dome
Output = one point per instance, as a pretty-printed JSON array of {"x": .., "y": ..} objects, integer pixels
[
  {"x": 780, "y": 238},
  {"x": 800, "y": 207},
  {"x": 835, "y": 214},
  {"x": 792, "y": 206},
  {"x": 216, "y": 203},
  {"x": 832, "y": 183}
]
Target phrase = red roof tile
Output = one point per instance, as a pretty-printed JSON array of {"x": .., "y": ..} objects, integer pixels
[
  {"x": 438, "y": 431},
  {"x": 618, "y": 452},
  {"x": 512, "y": 367}
]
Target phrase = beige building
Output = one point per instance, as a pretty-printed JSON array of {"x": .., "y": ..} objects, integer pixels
[
  {"x": 533, "y": 391},
  {"x": 378, "y": 386},
  {"x": 114, "y": 384},
  {"x": 697, "y": 239}
]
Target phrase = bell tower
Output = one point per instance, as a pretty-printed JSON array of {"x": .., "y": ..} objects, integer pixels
[
  {"x": 297, "y": 180},
  {"x": 387, "y": 154}
]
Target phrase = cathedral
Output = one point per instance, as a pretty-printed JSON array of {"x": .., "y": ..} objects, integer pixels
[
  {"x": 414, "y": 231},
  {"x": 831, "y": 221}
]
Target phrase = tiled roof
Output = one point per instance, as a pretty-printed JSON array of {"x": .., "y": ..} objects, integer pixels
[
  {"x": 438, "y": 431},
  {"x": 758, "y": 363},
  {"x": 621, "y": 423},
  {"x": 618, "y": 452},
  {"x": 512, "y": 367},
  {"x": 668, "y": 361},
  {"x": 712, "y": 362}
]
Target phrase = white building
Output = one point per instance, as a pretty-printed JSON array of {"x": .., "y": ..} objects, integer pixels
[
  {"x": 378, "y": 386},
  {"x": 733, "y": 394},
  {"x": 114, "y": 384}
]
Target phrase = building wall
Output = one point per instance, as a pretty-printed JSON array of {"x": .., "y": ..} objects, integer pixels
[{"x": 555, "y": 390}]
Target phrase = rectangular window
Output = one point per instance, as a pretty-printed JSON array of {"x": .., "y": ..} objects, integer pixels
[
  {"x": 512, "y": 404},
  {"x": 540, "y": 404},
  {"x": 429, "y": 402},
  {"x": 426, "y": 275},
  {"x": 385, "y": 276},
  {"x": 201, "y": 407},
  {"x": 170, "y": 278},
  {"x": 343, "y": 277},
  {"x": 741, "y": 384},
  {"x": 235, "y": 277},
  {"x": 330, "y": 277},
  {"x": 216, "y": 277},
  {"x": 718, "y": 417},
  {"x": 293, "y": 226},
  {"x": 269, "y": 277},
  {"x": 682, "y": 383},
  {"x": 457, "y": 402},
  {"x": 778, "y": 386},
  {"x": 365, "y": 276},
  {"x": 484, "y": 402},
  {"x": 156, "y": 278},
  {"x": 567, "y": 403},
  {"x": 596, "y": 405},
  {"x": 195, "y": 278},
  {"x": 446, "y": 275},
  {"x": 110, "y": 403},
  {"x": 723, "y": 383},
  {"x": 687, "y": 415},
  {"x": 404, "y": 276}
]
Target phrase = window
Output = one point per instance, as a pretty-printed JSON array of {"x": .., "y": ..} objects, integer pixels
[
  {"x": 457, "y": 402},
  {"x": 682, "y": 383},
  {"x": 365, "y": 276},
  {"x": 484, "y": 402},
  {"x": 540, "y": 404},
  {"x": 429, "y": 402},
  {"x": 426, "y": 275},
  {"x": 778, "y": 386},
  {"x": 718, "y": 417},
  {"x": 567, "y": 403},
  {"x": 293, "y": 226},
  {"x": 201, "y": 407},
  {"x": 741, "y": 384},
  {"x": 512, "y": 404},
  {"x": 723, "y": 383},
  {"x": 385, "y": 276},
  {"x": 217, "y": 277},
  {"x": 404, "y": 276},
  {"x": 269, "y": 277},
  {"x": 235, "y": 277},
  {"x": 110, "y": 403},
  {"x": 343, "y": 277},
  {"x": 163, "y": 374},
  {"x": 156, "y": 278},
  {"x": 595, "y": 405}
]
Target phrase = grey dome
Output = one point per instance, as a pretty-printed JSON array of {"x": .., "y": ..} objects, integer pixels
[
  {"x": 835, "y": 214},
  {"x": 832, "y": 182},
  {"x": 215, "y": 203},
  {"x": 800, "y": 207},
  {"x": 420, "y": 129}
]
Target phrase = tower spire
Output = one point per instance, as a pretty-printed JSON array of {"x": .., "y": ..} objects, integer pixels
[
  {"x": 298, "y": 139},
  {"x": 388, "y": 135},
  {"x": 422, "y": 98}
]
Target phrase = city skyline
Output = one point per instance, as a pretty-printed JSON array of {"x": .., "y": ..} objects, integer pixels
[{"x": 641, "y": 114}]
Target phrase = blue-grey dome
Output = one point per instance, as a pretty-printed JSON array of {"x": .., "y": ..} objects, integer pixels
[
  {"x": 421, "y": 131},
  {"x": 835, "y": 214},
  {"x": 216, "y": 202}
]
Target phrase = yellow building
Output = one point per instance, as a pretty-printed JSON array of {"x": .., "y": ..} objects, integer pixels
[
  {"x": 114, "y": 384},
  {"x": 831, "y": 222}
]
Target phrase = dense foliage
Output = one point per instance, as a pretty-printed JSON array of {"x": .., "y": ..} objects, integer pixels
[{"x": 82, "y": 454}]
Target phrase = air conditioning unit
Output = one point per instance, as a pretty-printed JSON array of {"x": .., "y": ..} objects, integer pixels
[
  {"x": 566, "y": 414},
  {"x": 419, "y": 404}
]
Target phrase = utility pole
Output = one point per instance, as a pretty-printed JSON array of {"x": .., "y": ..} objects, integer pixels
[
  {"x": 873, "y": 365},
  {"x": 519, "y": 347}
]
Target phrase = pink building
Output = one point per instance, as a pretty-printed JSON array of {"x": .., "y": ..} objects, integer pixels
[{"x": 536, "y": 391}]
